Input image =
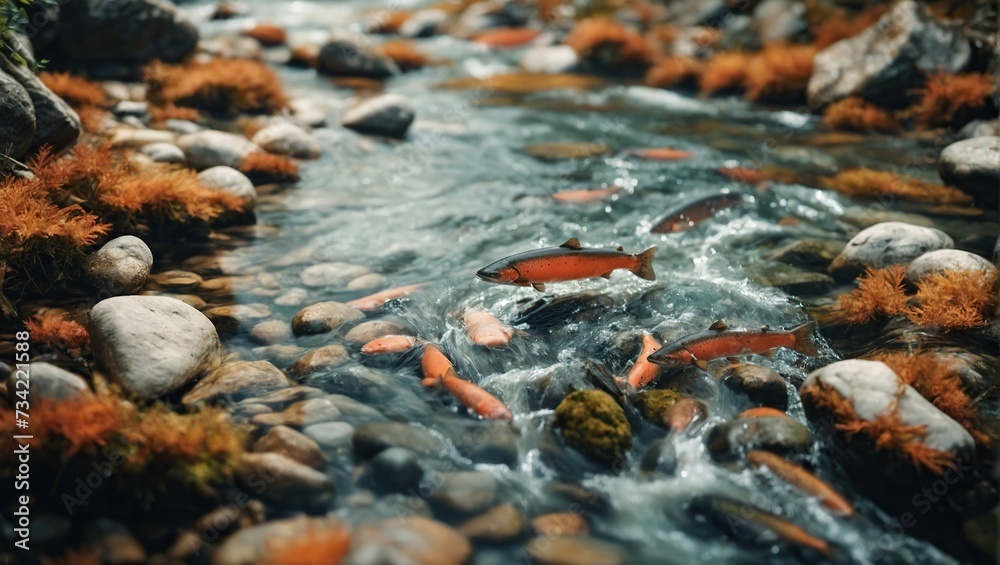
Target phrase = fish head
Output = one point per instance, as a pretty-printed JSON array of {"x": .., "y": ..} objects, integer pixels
[
  {"x": 670, "y": 356},
  {"x": 499, "y": 273}
]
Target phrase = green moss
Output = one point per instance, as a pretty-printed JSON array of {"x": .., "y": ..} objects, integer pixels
[
  {"x": 653, "y": 404},
  {"x": 593, "y": 423}
]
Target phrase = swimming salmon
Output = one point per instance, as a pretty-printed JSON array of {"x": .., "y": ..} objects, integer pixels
[
  {"x": 719, "y": 341},
  {"x": 742, "y": 519},
  {"x": 690, "y": 214},
  {"x": 801, "y": 479},
  {"x": 389, "y": 344},
  {"x": 438, "y": 369},
  {"x": 763, "y": 412},
  {"x": 684, "y": 414},
  {"x": 375, "y": 301},
  {"x": 644, "y": 372},
  {"x": 570, "y": 261},
  {"x": 661, "y": 154},
  {"x": 484, "y": 329},
  {"x": 584, "y": 196}
]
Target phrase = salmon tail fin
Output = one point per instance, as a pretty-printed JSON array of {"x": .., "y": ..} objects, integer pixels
[
  {"x": 645, "y": 268},
  {"x": 805, "y": 342}
]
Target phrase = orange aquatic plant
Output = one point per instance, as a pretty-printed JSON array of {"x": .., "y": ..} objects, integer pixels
[
  {"x": 222, "y": 86},
  {"x": 673, "y": 70},
  {"x": 946, "y": 97},
  {"x": 52, "y": 328},
  {"x": 780, "y": 73},
  {"x": 317, "y": 546},
  {"x": 857, "y": 114},
  {"x": 880, "y": 292},
  {"x": 610, "y": 45},
  {"x": 263, "y": 167},
  {"x": 958, "y": 299},
  {"x": 406, "y": 56},
  {"x": 172, "y": 112},
  {"x": 76, "y": 91},
  {"x": 724, "y": 71},
  {"x": 869, "y": 183}
]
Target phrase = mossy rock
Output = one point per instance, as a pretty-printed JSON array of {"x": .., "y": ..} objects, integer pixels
[
  {"x": 653, "y": 404},
  {"x": 594, "y": 424}
]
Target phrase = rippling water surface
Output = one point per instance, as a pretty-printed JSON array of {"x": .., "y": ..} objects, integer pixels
[{"x": 457, "y": 194}]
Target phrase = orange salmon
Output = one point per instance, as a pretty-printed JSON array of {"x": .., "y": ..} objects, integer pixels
[
  {"x": 389, "y": 344},
  {"x": 644, "y": 372},
  {"x": 741, "y": 174},
  {"x": 484, "y": 329},
  {"x": 507, "y": 37},
  {"x": 570, "y": 261},
  {"x": 801, "y": 479},
  {"x": 689, "y": 214},
  {"x": 584, "y": 196},
  {"x": 763, "y": 412},
  {"x": 662, "y": 154},
  {"x": 735, "y": 517},
  {"x": 719, "y": 342},
  {"x": 375, "y": 301},
  {"x": 684, "y": 414},
  {"x": 438, "y": 369}
]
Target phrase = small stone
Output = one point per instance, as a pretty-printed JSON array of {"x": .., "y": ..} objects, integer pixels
[
  {"x": 465, "y": 492},
  {"x": 807, "y": 253},
  {"x": 293, "y": 297},
  {"x": 288, "y": 483},
  {"x": 134, "y": 109},
  {"x": 284, "y": 138},
  {"x": 423, "y": 23},
  {"x": 762, "y": 385},
  {"x": 301, "y": 414},
  {"x": 366, "y": 282},
  {"x": 386, "y": 114},
  {"x": 594, "y": 424},
  {"x": 271, "y": 332},
  {"x": 421, "y": 540},
  {"x": 236, "y": 381},
  {"x": 163, "y": 152},
  {"x": 779, "y": 434},
  {"x": 946, "y": 260},
  {"x": 499, "y": 524},
  {"x": 372, "y": 438},
  {"x": 661, "y": 457},
  {"x": 396, "y": 469},
  {"x": 326, "y": 357},
  {"x": 654, "y": 403},
  {"x": 972, "y": 166},
  {"x": 293, "y": 445},
  {"x": 120, "y": 266},
  {"x": 790, "y": 279},
  {"x": 374, "y": 329},
  {"x": 231, "y": 181},
  {"x": 353, "y": 56},
  {"x": 324, "y": 317},
  {"x": 130, "y": 138},
  {"x": 283, "y": 356},
  {"x": 559, "y": 524},
  {"x": 551, "y": 59},
  {"x": 252, "y": 544},
  {"x": 177, "y": 281},
  {"x": 573, "y": 551},
  {"x": 331, "y": 435},
  {"x": 889, "y": 243},
  {"x": 47, "y": 381},
  {"x": 331, "y": 274},
  {"x": 210, "y": 148}
]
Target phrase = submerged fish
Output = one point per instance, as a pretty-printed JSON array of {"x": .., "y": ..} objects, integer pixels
[
  {"x": 719, "y": 342},
  {"x": 801, "y": 479},
  {"x": 389, "y": 344},
  {"x": 570, "y": 261},
  {"x": 485, "y": 330},
  {"x": 375, "y": 301},
  {"x": 684, "y": 414},
  {"x": 644, "y": 372},
  {"x": 763, "y": 412},
  {"x": 661, "y": 154},
  {"x": 689, "y": 214},
  {"x": 744, "y": 520},
  {"x": 584, "y": 196},
  {"x": 437, "y": 369}
]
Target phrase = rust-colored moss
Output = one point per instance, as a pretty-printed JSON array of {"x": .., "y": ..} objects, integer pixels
[
  {"x": 406, "y": 56},
  {"x": 880, "y": 292},
  {"x": 780, "y": 73},
  {"x": 222, "y": 86},
  {"x": 724, "y": 71},
  {"x": 269, "y": 35},
  {"x": 610, "y": 45},
  {"x": 263, "y": 167},
  {"x": 857, "y": 114},
  {"x": 78, "y": 92},
  {"x": 839, "y": 25},
  {"x": 53, "y": 329},
  {"x": 946, "y": 97},
  {"x": 314, "y": 547},
  {"x": 869, "y": 183},
  {"x": 955, "y": 299},
  {"x": 673, "y": 71}
]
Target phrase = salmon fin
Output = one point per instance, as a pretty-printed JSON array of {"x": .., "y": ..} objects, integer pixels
[
  {"x": 572, "y": 244},
  {"x": 701, "y": 364},
  {"x": 538, "y": 286},
  {"x": 718, "y": 325},
  {"x": 645, "y": 268},
  {"x": 606, "y": 275},
  {"x": 805, "y": 343},
  {"x": 619, "y": 249},
  {"x": 733, "y": 359}
]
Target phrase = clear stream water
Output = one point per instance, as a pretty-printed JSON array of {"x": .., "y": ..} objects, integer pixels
[{"x": 457, "y": 194}]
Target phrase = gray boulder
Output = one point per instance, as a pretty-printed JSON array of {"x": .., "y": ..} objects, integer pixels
[
  {"x": 49, "y": 381},
  {"x": 152, "y": 345},
  {"x": 354, "y": 56},
  {"x": 386, "y": 114},
  {"x": 17, "y": 119},
  {"x": 885, "y": 244},
  {"x": 236, "y": 381},
  {"x": 228, "y": 179},
  {"x": 210, "y": 148},
  {"x": 56, "y": 124},
  {"x": 888, "y": 60},
  {"x": 973, "y": 165},
  {"x": 121, "y": 266},
  {"x": 946, "y": 260}
]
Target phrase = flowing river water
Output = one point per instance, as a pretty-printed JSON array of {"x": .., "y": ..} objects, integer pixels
[{"x": 458, "y": 194}]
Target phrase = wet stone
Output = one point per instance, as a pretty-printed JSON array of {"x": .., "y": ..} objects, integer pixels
[
  {"x": 946, "y": 260},
  {"x": 559, "y": 524},
  {"x": 573, "y": 551},
  {"x": 484, "y": 442},
  {"x": 165, "y": 153},
  {"x": 292, "y": 297},
  {"x": 885, "y": 244},
  {"x": 374, "y": 329},
  {"x": 465, "y": 492},
  {"x": 48, "y": 381},
  {"x": 238, "y": 317},
  {"x": 593, "y": 423},
  {"x": 289, "y": 483},
  {"x": 209, "y": 148},
  {"x": 334, "y": 436},
  {"x": 120, "y": 266},
  {"x": 807, "y": 253},
  {"x": 396, "y": 469},
  {"x": 762, "y": 385},
  {"x": 499, "y": 524},
  {"x": 292, "y": 444},
  {"x": 323, "y": 317},
  {"x": 231, "y": 181},
  {"x": 372, "y": 438},
  {"x": 790, "y": 279},
  {"x": 281, "y": 355},
  {"x": 271, "y": 332},
  {"x": 281, "y": 399},
  {"x": 369, "y": 281},
  {"x": 420, "y": 541},
  {"x": 236, "y": 381},
  {"x": 250, "y": 545},
  {"x": 661, "y": 457},
  {"x": 284, "y": 138},
  {"x": 353, "y": 56},
  {"x": 177, "y": 281},
  {"x": 778, "y": 434},
  {"x": 654, "y": 403},
  {"x": 386, "y": 114},
  {"x": 301, "y": 414},
  {"x": 326, "y": 357}
]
